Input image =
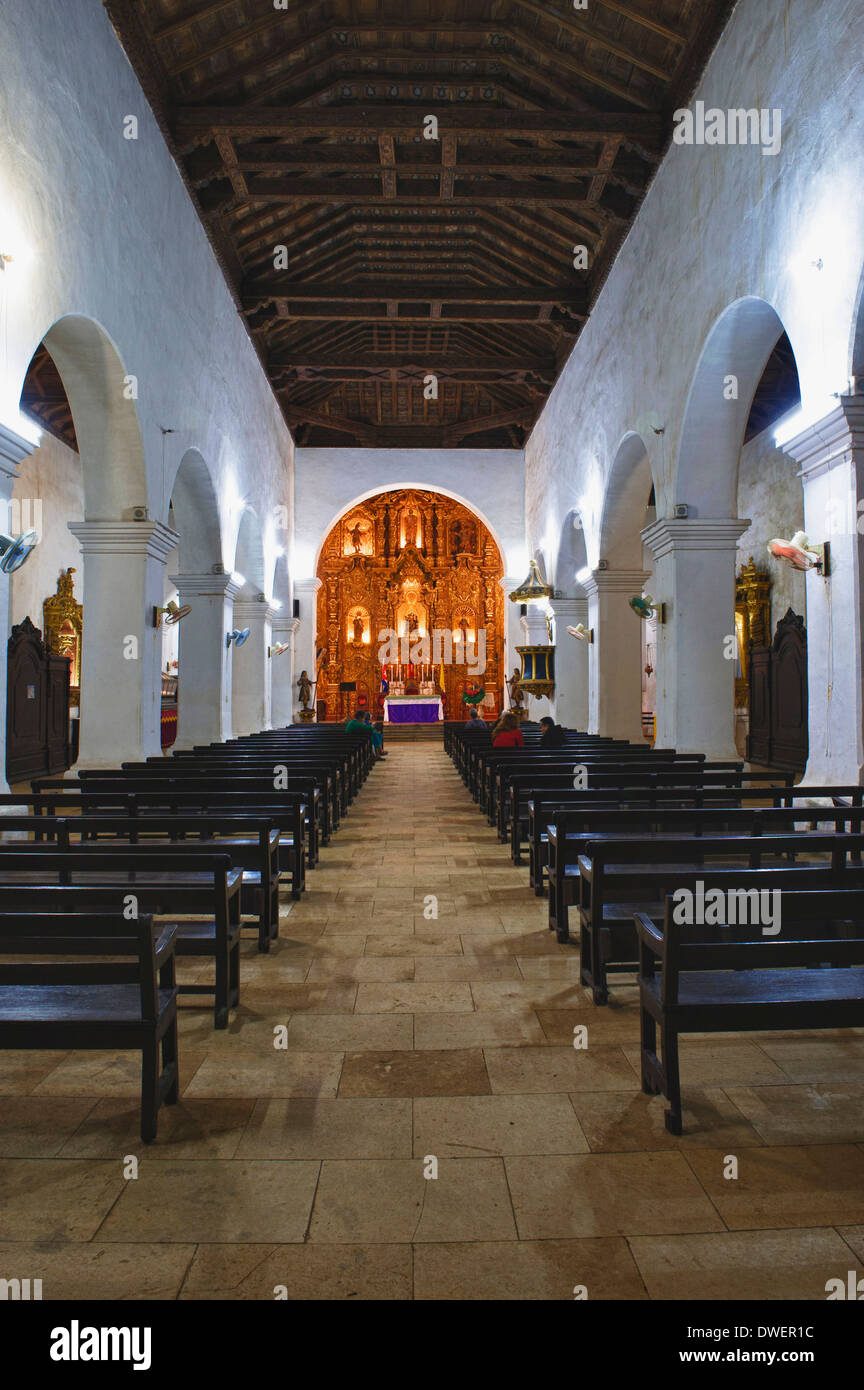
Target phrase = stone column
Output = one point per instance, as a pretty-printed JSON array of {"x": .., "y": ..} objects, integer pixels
[
  {"x": 282, "y": 671},
  {"x": 306, "y": 590},
  {"x": 830, "y": 455},
  {"x": 13, "y": 451},
  {"x": 121, "y": 657},
  {"x": 205, "y": 665},
  {"x": 615, "y": 657},
  {"x": 250, "y": 680},
  {"x": 513, "y": 634},
  {"x": 570, "y": 701},
  {"x": 696, "y": 646}
]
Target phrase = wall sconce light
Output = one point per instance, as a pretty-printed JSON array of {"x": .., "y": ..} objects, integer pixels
[
  {"x": 172, "y": 612},
  {"x": 582, "y": 633},
  {"x": 279, "y": 648},
  {"x": 238, "y": 637},
  {"x": 801, "y": 555},
  {"x": 643, "y": 606}
]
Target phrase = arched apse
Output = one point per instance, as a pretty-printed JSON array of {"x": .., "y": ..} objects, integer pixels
[
  {"x": 101, "y": 397},
  {"x": 572, "y": 554},
  {"x": 718, "y": 406},
  {"x": 513, "y": 562},
  {"x": 196, "y": 516},
  {"x": 624, "y": 505}
]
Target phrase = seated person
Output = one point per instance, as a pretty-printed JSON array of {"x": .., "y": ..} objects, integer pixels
[
  {"x": 475, "y": 726},
  {"x": 553, "y": 736},
  {"x": 507, "y": 733},
  {"x": 377, "y": 736}
]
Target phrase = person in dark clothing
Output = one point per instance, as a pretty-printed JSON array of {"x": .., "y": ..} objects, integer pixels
[
  {"x": 475, "y": 727},
  {"x": 553, "y": 736}
]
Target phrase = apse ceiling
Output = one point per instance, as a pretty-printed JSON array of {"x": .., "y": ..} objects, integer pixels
[{"x": 427, "y": 292}]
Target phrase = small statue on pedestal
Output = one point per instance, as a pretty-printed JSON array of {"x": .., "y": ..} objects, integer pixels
[{"x": 517, "y": 696}]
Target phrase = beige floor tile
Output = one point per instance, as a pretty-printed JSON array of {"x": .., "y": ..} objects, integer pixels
[
  {"x": 527, "y": 994},
  {"x": 621, "y": 1122},
  {"x": 38, "y": 1126},
  {"x": 350, "y": 1032},
  {"x": 189, "y": 1129},
  {"x": 485, "y": 1029},
  {"x": 111, "y": 1073},
  {"x": 481, "y": 1126},
  {"x": 804, "y": 1114},
  {"x": 49, "y": 1199},
  {"x": 411, "y": 944},
  {"x": 785, "y": 1186},
  {"x": 77, "y": 1270},
  {"x": 443, "y": 997},
  {"x": 607, "y": 1194},
  {"x": 547, "y": 1270},
  {"x": 305, "y": 1272},
  {"x": 211, "y": 1201},
  {"x": 443, "y": 1073},
  {"x": 535, "y": 1069},
  {"x": 459, "y": 967},
  {"x": 282, "y": 1074},
  {"x": 468, "y": 1200},
  {"x": 719, "y": 1062},
  {"x": 817, "y": 1058},
  {"x": 765, "y": 1266},
  {"x": 349, "y": 1129},
  {"x": 366, "y": 969},
  {"x": 21, "y": 1072},
  {"x": 610, "y": 1026}
]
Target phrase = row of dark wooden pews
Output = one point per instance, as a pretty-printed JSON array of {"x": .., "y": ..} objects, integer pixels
[
  {"x": 735, "y": 899},
  {"x": 98, "y": 866}
]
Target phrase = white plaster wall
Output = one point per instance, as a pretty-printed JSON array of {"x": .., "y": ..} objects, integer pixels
[
  {"x": 328, "y": 481},
  {"x": 104, "y": 228},
  {"x": 770, "y": 494},
  {"x": 719, "y": 223},
  {"x": 51, "y": 477}
]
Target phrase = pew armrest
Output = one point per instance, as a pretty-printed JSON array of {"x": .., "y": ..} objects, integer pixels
[{"x": 649, "y": 935}]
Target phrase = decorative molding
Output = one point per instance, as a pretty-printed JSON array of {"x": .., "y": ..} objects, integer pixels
[
  {"x": 153, "y": 539},
  {"x": 693, "y": 533},
  {"x": 830, "y": 441},
  {"x": 615, "y": 582},
  {"x": 192, "y": 586},
  {"x": 14, "y": 449}
]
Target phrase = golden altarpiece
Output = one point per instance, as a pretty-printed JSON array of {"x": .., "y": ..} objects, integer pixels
[
  {"x": 62, "y": 623},
  {"x": 417, "y": 564}
]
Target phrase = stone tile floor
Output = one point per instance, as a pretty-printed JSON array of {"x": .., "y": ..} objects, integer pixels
[{"x": 430, "y": 1016}]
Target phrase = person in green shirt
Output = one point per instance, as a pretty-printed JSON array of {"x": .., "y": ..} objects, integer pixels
[{"x": 362, "y": 724}]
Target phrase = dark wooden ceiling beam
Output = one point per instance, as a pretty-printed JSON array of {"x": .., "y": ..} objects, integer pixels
[
  {"x": 421, "y": 193},
  {"x": 472, "y": 160},
  {"x": 253, "y": 291},
  {"x": 195, "y": 122},
  {"x": 573, "y": 21},
  {"x": 402, "y": 361}
]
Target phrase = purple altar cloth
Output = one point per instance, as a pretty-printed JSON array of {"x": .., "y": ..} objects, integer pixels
[{"x": 414, "y": 714}]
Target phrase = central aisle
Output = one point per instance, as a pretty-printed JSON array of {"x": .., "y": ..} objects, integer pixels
[{"x": 376, "y": 1038}]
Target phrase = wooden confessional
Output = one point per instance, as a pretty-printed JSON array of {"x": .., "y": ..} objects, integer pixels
[
  {"x": 37, "y": 707},
  {"x": 778, "y": 698}
]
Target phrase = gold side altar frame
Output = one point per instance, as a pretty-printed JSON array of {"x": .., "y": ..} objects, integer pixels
[
  {"x": 752, "y": 622},
  {"x": 63, "y": 625}
]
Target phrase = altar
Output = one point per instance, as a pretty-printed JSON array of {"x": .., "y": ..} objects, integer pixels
[{"x": 413, "y": 709}]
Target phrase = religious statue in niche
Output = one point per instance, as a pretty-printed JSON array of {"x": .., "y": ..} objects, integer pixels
[
  {"x": 463, "y": 537},
  {"x": 412, "y": 529},
  {"x": 358, "y": 628},
  {"x": 358, "y": 537},
  {"x": 305, "y": 686},
  {"x": 517, "y": 696}
]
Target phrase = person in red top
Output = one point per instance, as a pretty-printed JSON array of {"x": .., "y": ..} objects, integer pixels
[{"x": 507, "y": 733}]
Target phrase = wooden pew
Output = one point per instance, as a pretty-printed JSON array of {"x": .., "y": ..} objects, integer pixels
[
  {"x": 96, "y": 878},
  {"x": 126, "y": 1004},
  {"x": 621, "y": 876},
  {"x": 718, "y": 982}
]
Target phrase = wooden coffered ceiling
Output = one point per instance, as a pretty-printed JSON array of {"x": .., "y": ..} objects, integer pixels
[{"x": 405, "y": 257}]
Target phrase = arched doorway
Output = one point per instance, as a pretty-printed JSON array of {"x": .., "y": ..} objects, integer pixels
[{"x": 423, "y": 570}]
